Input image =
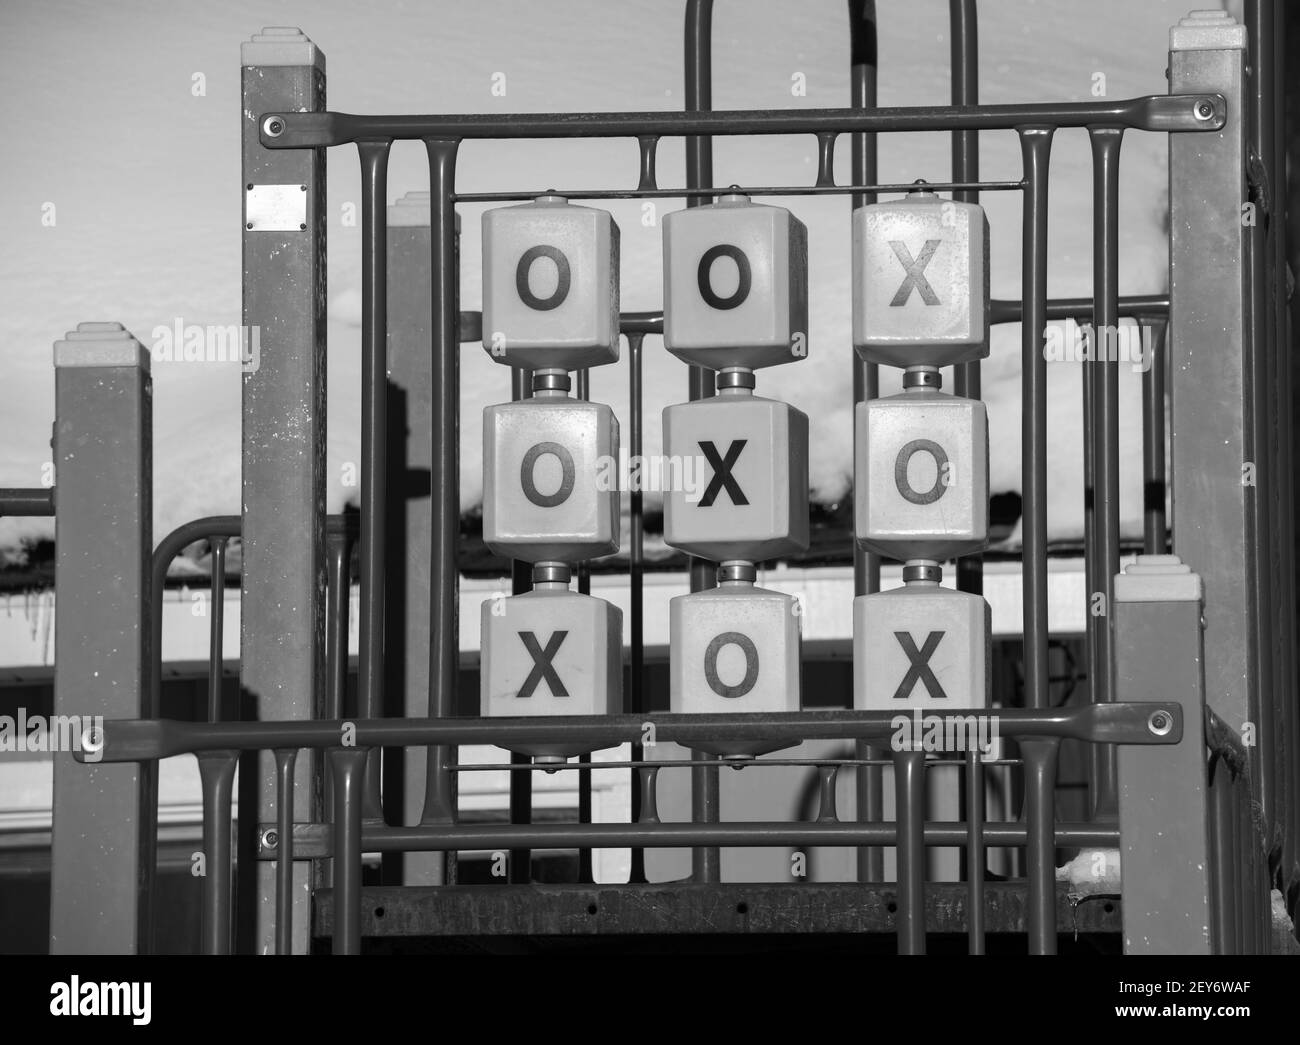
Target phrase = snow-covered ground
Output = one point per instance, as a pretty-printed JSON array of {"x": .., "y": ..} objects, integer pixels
[{"x": 109, "y": 134}]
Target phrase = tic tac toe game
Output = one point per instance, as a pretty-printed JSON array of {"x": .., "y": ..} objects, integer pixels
[{"x": 651, "y": 479}]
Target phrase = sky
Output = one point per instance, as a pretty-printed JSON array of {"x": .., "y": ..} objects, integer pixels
[{"x": 121, "y": 195}]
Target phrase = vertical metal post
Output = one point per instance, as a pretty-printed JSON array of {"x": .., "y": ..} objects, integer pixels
[
  {"x": 863, "y": 60},
  {"x": 1209, "y": 364},
  {"x": 909, "y": 785},
  {"x": 520, "y": 868},
  {"x": 1155, "y": 532},
  {"x": 582, "y": 390},
  {"x": 282, "y": 622},
  {"x": 1223, "y": 879},
  {"x": 444, "y": 506},
  {"x": 1285, "y": 392},
  {"x": 975, "y": 852},
  {"x": 339, "y": 602},
  {"x": 217, "y": 625},
  {"x": 347, "y": 767},
  {"x": 706, "y": 800},
  {"x": 216, "y": 779},
  {"x": 1272, "y": 408},
  {"x": 410, "y": 451},
  {"x": 636, "y": 570},
  {"x": 963, "y": 23},
  {"x": 1103, "y": 428},
  {"x": 1260, "y": 414},
  {"x": 1036, "y": 147},
  {"x": 1164, "y": 796},
  {"x": 105, "y": 816},
  {"x": 374, "y": 442},
  {"x": 1040, "y": 755},
  {"x": 284, "y": 762}
]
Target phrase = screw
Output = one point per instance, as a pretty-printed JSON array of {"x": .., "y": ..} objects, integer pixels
[
  {"x": 1204, "y": 110},
  {"x": 270, "y": 839},
  {"x": 273, "y": 126},
  {"x": 1160, "y": 723}
]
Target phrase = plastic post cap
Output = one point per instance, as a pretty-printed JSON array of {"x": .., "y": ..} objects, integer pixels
[
  {"x": 1158, "y": 578},
  {"x": 100, "y": 344}
]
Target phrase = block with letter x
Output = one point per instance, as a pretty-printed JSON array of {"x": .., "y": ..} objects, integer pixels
[
  {"x": 920, "y": 281},
  {"x": 550, "y": 481},
  {"x": 734, "y": 648},
  {"x": 922, "y": 647},
  {"x": 741, "y": 477},
  {"x": 548, "y": 652},
  {"x": 550, "y": 285},
  {"x": 921, "y": 487},
  {"x": 735, "y": 284}
]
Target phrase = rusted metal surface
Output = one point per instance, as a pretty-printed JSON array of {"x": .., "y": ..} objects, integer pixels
[{"x": 811, "y": 909}]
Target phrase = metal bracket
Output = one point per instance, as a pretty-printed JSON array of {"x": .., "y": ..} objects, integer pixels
[{"x": 311, "y": 841}]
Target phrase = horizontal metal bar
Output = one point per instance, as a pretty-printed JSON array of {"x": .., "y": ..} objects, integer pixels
[
  {"x": 26, "y": 501},
  {"x": 748, "y": 190},
  {"x": 315, "y": 841},
  {"x": 542, "y": 912},
  {"x": 134, "y": 740},
  {"x": 378, "y": 839},
  {"x": 1159, "y": 112},
  {"x": 736, "y": 764},
  {"x": 1139, "y": 306}
]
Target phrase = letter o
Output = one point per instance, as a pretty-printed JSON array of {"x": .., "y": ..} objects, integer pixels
[
  {"x": 525, "y": 267},
  {"x": 547, "y": 500},
  {"x": 747, "y": 647},
  {"x": 904, "y": 458},
  {"x": 705, "y": 276}
]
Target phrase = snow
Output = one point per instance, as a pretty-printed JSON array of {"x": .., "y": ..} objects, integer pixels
[{"x": 103, "y": 122}]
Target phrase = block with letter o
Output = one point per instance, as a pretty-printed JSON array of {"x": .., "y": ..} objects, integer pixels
[
  {"x": 550, "y": 285},
  {"x": 550, "y": 479},
  {"x": 922, "y": 467},
  {"x": 734, "y": 648},
  {"x": 735, "y": 285},
  {"x": 920, "y": 281},
  {"x": 548, "y": 652}
]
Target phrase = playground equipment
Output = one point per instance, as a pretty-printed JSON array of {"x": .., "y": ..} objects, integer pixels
[{"x": 1192, "y": 723}]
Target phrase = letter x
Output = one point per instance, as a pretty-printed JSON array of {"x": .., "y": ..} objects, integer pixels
[
  {"x": 915, "y": 270},
  {"x": 543, "y": 670},
  {"x": 722, "y": 476},
  {"x": 919, "y": 668}
]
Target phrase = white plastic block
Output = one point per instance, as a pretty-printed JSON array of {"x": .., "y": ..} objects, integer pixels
[
  {"x": 734, "y": 648},
  {"x": 920, "y": 282},
  {"x": 550, "y": 285},
  {"x": 735, "y": 285},
  {"x": 920, "y": 647},
  {"x": 550, "y": 652},
  {"x": 922, "y": 475},
  {"x": 746, "y": 460},
  {"x": 550, "y": 479}
]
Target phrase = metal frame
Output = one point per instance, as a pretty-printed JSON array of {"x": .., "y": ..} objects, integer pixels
[{"x": 1211, "y": 109}]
